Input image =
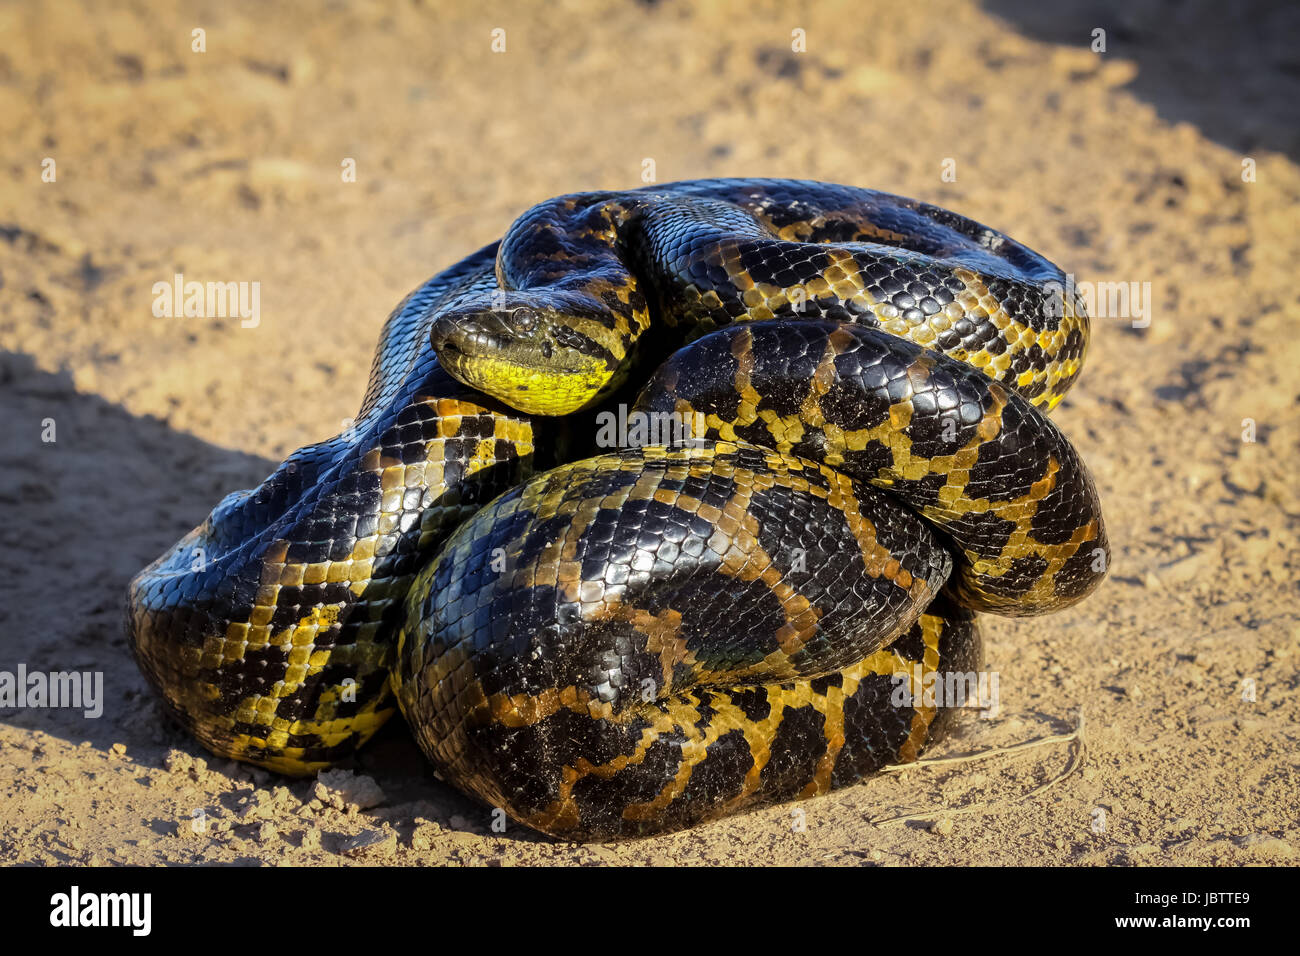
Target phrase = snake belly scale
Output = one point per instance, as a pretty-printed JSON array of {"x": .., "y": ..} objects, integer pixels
[{"x": 610, "y": 643}]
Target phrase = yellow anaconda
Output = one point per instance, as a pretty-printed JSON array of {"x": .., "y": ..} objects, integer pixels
[{"x": 609, "y": 642}]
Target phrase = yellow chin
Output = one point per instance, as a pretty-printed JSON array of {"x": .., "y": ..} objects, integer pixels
[{"x": 537, "y": 391}]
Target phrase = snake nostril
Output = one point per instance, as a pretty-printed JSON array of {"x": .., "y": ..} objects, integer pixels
[{"x": 442, "y": 334}]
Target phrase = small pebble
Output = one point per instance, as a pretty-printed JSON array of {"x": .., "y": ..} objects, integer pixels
[{"x": 370, "y": 843}]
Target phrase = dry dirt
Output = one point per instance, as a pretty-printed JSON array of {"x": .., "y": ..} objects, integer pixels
[{"x": 1170, "y": 159}]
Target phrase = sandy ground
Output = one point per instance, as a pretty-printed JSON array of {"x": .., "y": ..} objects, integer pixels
[{"x": 225, "y": 165}]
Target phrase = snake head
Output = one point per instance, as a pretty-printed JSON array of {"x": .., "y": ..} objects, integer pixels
[{"x": 544, "y": 359}]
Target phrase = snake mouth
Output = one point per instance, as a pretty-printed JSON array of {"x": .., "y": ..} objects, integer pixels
[
  {"x": 450, "y": 336},
  {"x": 469, "y": 353},
  {"x": 484, "y": 340},
  {"x": 509, "y": 370}
]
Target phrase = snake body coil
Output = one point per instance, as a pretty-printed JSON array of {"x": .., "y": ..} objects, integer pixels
[{"x": 654, "y": 636}]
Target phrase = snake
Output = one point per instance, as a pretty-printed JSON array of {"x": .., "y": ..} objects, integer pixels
[{"x": 850, "y": 458}]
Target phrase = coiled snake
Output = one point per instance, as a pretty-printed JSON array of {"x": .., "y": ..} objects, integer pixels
[{"x": 612, "y": 642}]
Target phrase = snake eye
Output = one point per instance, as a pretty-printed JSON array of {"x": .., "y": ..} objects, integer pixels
[{"x": 525, "y": 319}]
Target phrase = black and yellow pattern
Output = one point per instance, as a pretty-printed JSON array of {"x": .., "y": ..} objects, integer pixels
[
  {"x": 580, "y": 275},
  {"x": 269, "y": 628},
  {"x": 646, "y": 639},
  {"x": 972, "y": 457},
  {"x": 641, "y": 640}
]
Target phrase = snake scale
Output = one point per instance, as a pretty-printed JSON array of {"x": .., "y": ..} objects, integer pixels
[{"x": 609, "y": 640}]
